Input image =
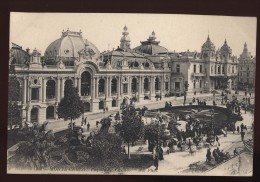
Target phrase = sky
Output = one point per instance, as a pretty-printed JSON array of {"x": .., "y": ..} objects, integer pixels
[{"x": 175, "y": 32}]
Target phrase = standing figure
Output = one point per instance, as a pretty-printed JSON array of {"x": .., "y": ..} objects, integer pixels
[
  {"x": 208, "y": 155},
  {"x": 88, "y": 126},
  {"x": 238, "y": 129}
]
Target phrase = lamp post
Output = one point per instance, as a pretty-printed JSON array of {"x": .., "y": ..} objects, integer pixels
[
  {"x": 158, "y": 140},
  {"x": 212, "y": 120}
]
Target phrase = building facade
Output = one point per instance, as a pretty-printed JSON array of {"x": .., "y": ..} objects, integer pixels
[
  {"x": 106, "y": 79},
  {"x": 205, "y": 71},
  {"x": 103, "y": 80},
  {"x": 246, "y": 70}
]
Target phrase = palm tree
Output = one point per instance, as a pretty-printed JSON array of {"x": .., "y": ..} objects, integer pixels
[{"x": 34, "y": 147}]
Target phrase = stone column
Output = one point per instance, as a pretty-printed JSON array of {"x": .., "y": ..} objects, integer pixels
[
  {"x": 163, "y": 85},
  {"x": 118, "y": 86},
  {"x": 129, "y": 87},
  {"x": 75, "y": 82},
  {"x": 140, "y": 85},
  {"x": 40, "y": 94},
  {"x": 93, "y": 88},
  {"x": 62, "y": 88},
  {"x": 24, "y": 89},
  {"x": 58, "y": 90},
  {"x": 43, "y": 89},
  {"x": 79, "y": 85},
  {"x": 107, "y": 87},
  {"x": 96, "y": 86}
]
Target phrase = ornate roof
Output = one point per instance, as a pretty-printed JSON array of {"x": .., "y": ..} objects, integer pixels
[
  {"x": 151, "y": 46},
  {"x": 18, "y": 55},
  {"x": 225, "y": 49},
  {"x": 208, "y": 45},
  {"x": 69, "y": 46}
]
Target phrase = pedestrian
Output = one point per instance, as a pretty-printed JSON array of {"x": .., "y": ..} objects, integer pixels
[
  {"x": 97, "y": 122},
  {"x": 160, "y": 97},
  {"x": 245, "y": 127},
  {"x": 238, "y": 129},
  {"x": 217, "y": 140},
  {"x": 242, "y": 135},
  {"x": 208, "y": 155},
  {"x": 85, "y": 121},
  {"x": 242, "y": 127},
  {"x": 104, "y": 110},
  {"x": 88, "y": 126},
  {"x": 189, "y": 145}
]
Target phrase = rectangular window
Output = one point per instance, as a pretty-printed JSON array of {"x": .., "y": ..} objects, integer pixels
[
  {"x": 177, "y": 85},
  {"x": 125, "y": 88},
  {"x": 177, "y": 68},
  {"x": 35, "y": 94},
  {"x": 194, "y": 68},
  {"x": 186, "y": 85},
  {"x": 194, "y": 84},
  {"x": 200, "y": 68},
  {"x": 232, "y": 69},
  {"x": 166, "y": 86},
  {"x": 200, "y": 83}
]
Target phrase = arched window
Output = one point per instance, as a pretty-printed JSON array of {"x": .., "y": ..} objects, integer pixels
[
  {"x": 101, "y": 86},
  {"x": 86, "y": 107},
  {"x": 113, "y": 103},
  {"x": 85, "y": 83},
  {"x": 34, "y": 115},
  {"x": 50, "y": 112},
  {"x": 50, "y": 89},
  {"x": 146, "y": 84},
  {"x": 146, "y": 65},
  {"x": 114, "y": 86},
  {"x": 101, "y": 105},
  {"x": 134, "y": 85},
  {"x": 157, "y": 84}
]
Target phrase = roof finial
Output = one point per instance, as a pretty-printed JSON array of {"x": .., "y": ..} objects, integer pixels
[{"x": 125, "y": 28}]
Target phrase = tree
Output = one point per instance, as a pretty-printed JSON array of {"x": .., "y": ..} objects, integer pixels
[
  {"x": 132, "y": 127},
  {"x": 14, "y": 116},
  {"x": 106, "y": 151},
  {"x": 70, "y": 107},
  {"x": 34, "y": 147}
]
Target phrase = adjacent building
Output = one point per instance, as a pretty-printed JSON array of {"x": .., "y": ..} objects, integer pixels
[
  {"x": 246, "y": 70},
  {"x": 205, "y": 71}
]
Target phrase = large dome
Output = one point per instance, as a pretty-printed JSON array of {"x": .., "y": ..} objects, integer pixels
[
  {"x": 151, "y": 46},
  {"x": 69, "y": 46}
]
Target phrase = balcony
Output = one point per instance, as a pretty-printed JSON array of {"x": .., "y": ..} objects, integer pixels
[
  {"x": 157, "y": 92},
  {"x": 101, "y": 94},
  {"x": 146, "y": 92},
  {"x": 114, "y": 94},
  {"x": 199, "y": 74},
  {"x": 35, "y": 101},
  {"x": 177, "y": 74}
]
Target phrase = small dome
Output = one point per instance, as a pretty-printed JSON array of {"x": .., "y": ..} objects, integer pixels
[
  {"x": 69, "y": 46},
  {"x": 208, "y": 45},
  {"x": 18, "y": 55},
  {"x": 151, "y": 46}
]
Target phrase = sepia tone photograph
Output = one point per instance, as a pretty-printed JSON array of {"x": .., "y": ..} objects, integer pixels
[{"x": 131, "y": 94}]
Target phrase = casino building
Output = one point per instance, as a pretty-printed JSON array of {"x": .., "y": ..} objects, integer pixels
[{"x": 103, "y": 80}]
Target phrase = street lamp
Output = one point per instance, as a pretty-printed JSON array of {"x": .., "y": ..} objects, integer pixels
[{"x": 212, "y": 119}]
